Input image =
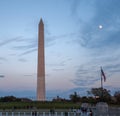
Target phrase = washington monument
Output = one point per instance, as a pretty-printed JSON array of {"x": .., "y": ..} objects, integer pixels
[{"x": 41, "y": 64}]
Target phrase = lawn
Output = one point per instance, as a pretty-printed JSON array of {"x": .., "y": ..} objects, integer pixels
[{"x": 38, "y": 105}]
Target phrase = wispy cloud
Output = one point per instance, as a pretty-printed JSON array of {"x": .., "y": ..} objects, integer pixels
[
  {"x": 2, "y": 76},
  {"x": 28, "y": 75},
  {"x": 26, "y": 44},
  {"x": 58, "y": 64},
  {"x": 8, "y": 41},
  {"x": 51, "y": 40},
  {"x": 22, "y": 60},
  {"x": 58, "y": 69},
  {"x": 2, "y": 59},
  {"x": 29, "y": 45},
  {"x": 28, "y": 52},
  {"x": 85, "y": 82},
  {"x": 86, "y": 75},
  {"x": 113, "y": 68}
]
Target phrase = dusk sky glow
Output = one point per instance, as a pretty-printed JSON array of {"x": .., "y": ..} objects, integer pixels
[{"x": 80, "y": 37}]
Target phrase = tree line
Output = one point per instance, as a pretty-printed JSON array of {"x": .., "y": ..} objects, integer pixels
[
  {"x": 95, "y": 95},
  {"x": 13, "y": 99}
]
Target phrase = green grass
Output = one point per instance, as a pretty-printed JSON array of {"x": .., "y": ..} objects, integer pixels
[
  {"x": 42, "y": 105},
  {"x": 38, "y": 105}
]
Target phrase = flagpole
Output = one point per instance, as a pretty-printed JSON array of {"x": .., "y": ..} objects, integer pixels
[
  {"x": 101, "y": 86},
  {"x": 101, "y": 82}
]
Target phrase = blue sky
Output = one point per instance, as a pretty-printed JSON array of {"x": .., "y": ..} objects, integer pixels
[{"x": 75, "y": 46}]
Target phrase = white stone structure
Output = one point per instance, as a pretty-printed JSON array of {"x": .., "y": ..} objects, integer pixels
[{"x": 41, "y": 64}]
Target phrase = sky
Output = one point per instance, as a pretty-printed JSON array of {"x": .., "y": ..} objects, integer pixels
[{"x": 80, "y": 37}]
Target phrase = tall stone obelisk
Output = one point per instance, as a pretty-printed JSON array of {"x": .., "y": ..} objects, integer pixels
[{"x": 41, "y": 64}]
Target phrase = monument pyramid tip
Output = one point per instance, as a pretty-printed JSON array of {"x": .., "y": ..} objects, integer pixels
[{"x": 41, "y": 21}]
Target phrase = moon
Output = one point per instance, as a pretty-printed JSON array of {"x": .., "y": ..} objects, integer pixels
[{"x": 100, "y": 26}]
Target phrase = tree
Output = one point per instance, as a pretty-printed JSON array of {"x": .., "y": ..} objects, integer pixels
[
  {"x": 117, "y": 96},
  {"x": 101, "y": 94},
  {"x": 74, "y": 97},
  {"x": 84, "y": 99},
  {"x": 8, "y": 99}
]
